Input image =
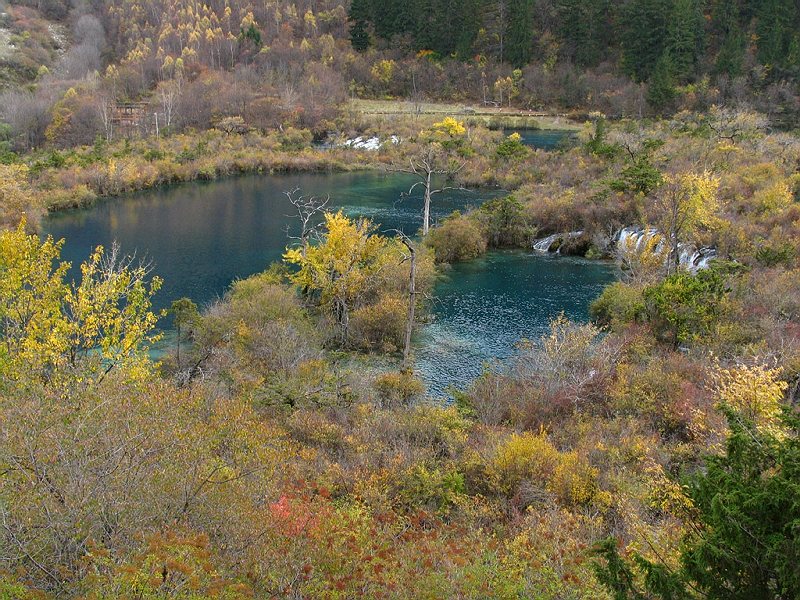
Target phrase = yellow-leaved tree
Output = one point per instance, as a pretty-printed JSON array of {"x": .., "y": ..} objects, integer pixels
[
  {"x": 59, "y": 332},
  {"x": 16, "y": 197},
  {"x": 687, "y": 202},
  {"x": 755, "y": 393},
  {"x": 344, "y": 268}
]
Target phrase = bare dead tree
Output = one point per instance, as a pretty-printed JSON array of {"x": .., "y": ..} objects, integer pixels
[
  {"x": 411, "y": 257},
  {"x": 424, "y": 167},
  {"x": 307, "y": 207}
]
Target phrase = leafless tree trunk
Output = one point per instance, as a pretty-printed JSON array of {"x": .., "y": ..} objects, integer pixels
[
  {"x": 308, "y": 207},
  {"x": 412, "y": 299},
  {"x": 169, "y": 92},
  {"x": 424, "y": 167}
]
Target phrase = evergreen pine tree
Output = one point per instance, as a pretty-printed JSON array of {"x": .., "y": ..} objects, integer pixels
[
  {"x": 661, "y": 86},
  {"x": 519, "y": 36},
  {"x": 685, "y": 38},
  {"x": 775, "y": 30},
  {"x": 643, "y": 35},
  {"x": 745, "y": 543},
  {"x": 359, "y": 16},
  {"x": 584, "y": 27},
  {"x": 732, "y": 43}
]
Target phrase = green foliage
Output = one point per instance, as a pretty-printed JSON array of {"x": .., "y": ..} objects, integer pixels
[
  {"x": 511, "y": 147},
  {"x": 252, "y": 34},
  {"x": 292, "y": 139},
  {"x": 7, "y": 155},
  {"x": 639, "y": 175},
  {"x": 458, "y": 238},
  {"x": 358, "y": 16},
  {"x": 732, "y": 48},
  {"x": 776, "y": 31},
  {"x": 185, "y": 318},
  {"x": 744, "y": 543},
  {"x": 643, "y": 36},
  {"x": 685, "y": 42},
  {"x": 597, "y": 143},
  {"x": 506, "y": 223},
  {"x": 519, "y": 41},
  {"x": 772, "y": 255},
  {"x": 747, "y": 500},
  {"x": 11, "y": 590},
  {"x": 184, "y": 313},
  {"x": 585, "y": 27},
  {"x": 661, "y": 86},
  {"x": 686, "y": 307},
  {"x": 618, "y": 305},
  {"x": 435, "y": 490}
]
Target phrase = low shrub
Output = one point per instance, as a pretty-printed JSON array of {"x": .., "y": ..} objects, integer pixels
[
  {"x": 398, "y": 388},
  {"x": 379, "y": 326},
  {"x": 457, "y": 239}
]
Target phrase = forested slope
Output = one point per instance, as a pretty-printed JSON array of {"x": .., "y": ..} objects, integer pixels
[{"x": 291, "y": 63}]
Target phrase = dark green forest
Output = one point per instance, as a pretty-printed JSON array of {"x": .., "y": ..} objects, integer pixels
[{"x": 666, "y": 43}]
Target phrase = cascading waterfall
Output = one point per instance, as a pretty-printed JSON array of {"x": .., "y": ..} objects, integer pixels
[
  {"x": 690, "y": 256},
  {"x": 545, "y": 244}
]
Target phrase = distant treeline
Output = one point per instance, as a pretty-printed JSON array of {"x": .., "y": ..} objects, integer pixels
[{"x": 666, "y": 40}]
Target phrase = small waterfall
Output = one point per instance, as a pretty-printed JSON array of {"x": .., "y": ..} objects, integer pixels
[
  {"x": 372, "y": 143},
  {"x": 636, "y": 238},
  {"x": 546, "y": 244},
  {"x": 543, "y": 245},
  {"x": 690, "y": 256}
]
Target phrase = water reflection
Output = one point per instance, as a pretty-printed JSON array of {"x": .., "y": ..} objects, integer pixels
[{"x": 200, "y": 237}]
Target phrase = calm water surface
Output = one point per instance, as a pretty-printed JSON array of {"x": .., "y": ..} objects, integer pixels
[
  {"x": 483, "y": 308},
  {"x": 545, "y": 139},
  {"x": 202, "y": 236}
]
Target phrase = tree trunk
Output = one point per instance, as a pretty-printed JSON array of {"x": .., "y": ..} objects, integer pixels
[
  {"x": 412, "y": 293},
  {"x": 178, "y": 342},
  {"x": 426, "y": 223},
  {"x": 343, "y": 317}
]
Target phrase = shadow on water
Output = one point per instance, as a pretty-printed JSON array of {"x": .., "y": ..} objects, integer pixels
[{"x": 202, "y": 236}]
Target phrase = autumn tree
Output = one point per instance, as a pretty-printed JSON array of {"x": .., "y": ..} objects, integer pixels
[
  {"x": 65, "y": 332},
  {"x": 436, "y": 155},
  {"x": 686, "y": 203},
  {"x": 340, "y": 269},
  {"x": 16, "y": 197}
]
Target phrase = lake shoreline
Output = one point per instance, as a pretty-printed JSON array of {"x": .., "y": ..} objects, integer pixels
[
  {"x": 203, "y": 237},
  {"x": 80, "y": 177}
]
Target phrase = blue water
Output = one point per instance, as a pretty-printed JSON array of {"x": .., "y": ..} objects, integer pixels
[
  {"x": 202, "y": 236},
  {"x": 483, "y": 308},
  {"x": 545, "y": 139}
]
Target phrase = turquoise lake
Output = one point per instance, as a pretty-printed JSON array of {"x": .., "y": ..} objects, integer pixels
[
  {"x": 545, "y": 139},
  {"x": 202, "y": 236}
]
